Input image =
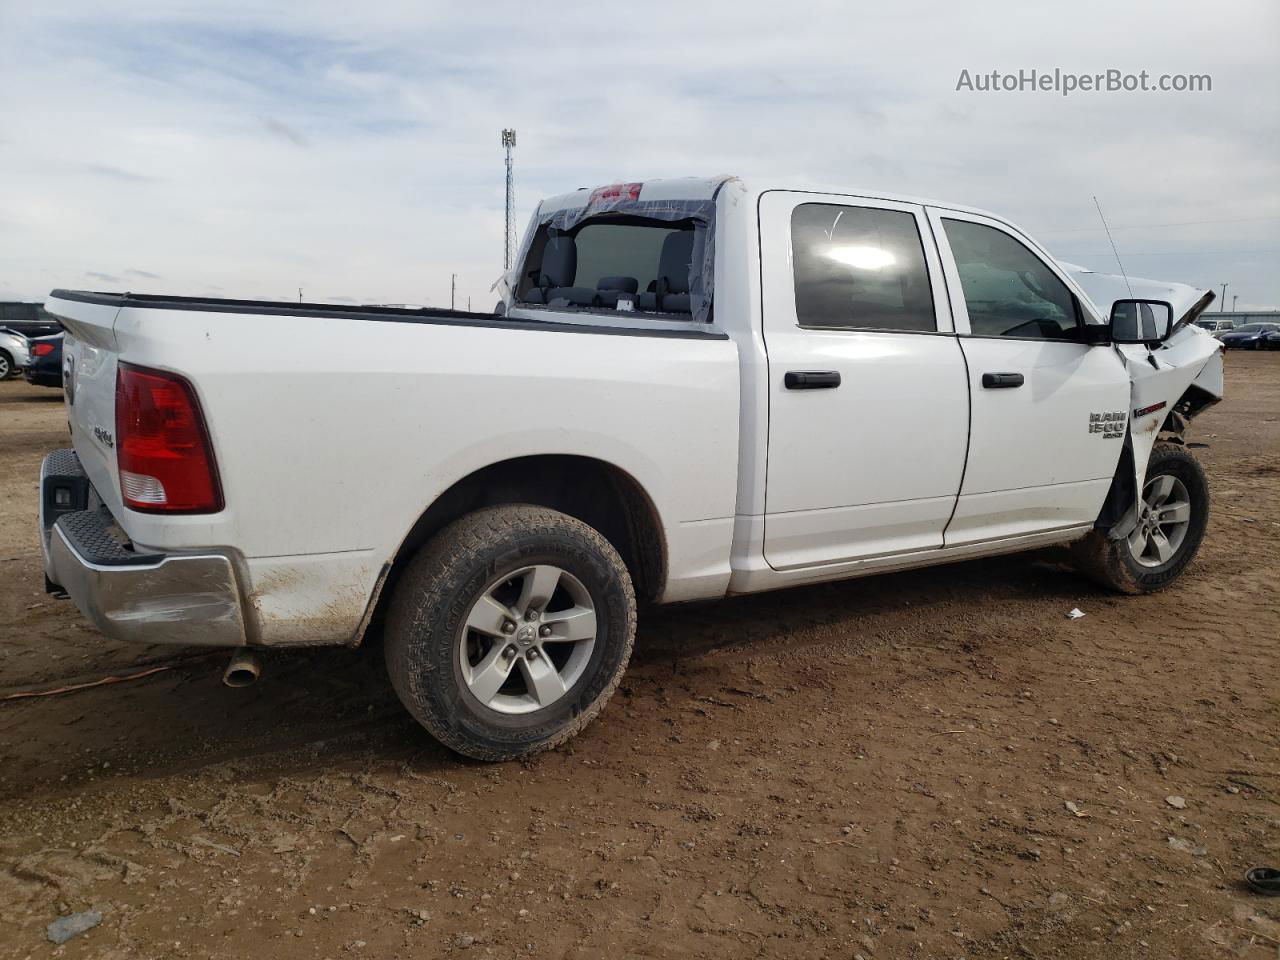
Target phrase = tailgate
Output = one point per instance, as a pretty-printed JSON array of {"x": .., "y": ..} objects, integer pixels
[{"x": 89, "y": 383}]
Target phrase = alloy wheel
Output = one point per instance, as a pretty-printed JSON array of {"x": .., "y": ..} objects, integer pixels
[
  {"x": 527, "y": 639},
  {"x": 1164, "y": 516}
]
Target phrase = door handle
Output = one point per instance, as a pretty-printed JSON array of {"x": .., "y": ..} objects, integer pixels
[
  {"x": 811, "y": 379},
  {"x": 1001, "y": 381}
]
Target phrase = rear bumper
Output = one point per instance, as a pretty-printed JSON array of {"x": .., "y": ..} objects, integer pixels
[
  {"x": 42, "y": 377},
  {"x": 129, "y": 594}
]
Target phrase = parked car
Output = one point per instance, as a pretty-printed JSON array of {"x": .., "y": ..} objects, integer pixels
[
  {"x": 699, "y": 388},
  {"x": 1270, "y": 341},
  {"x": 45, "y": 368},
  {"x": 14, "y": 353},
  {"x": 1248, "y": 336},
  {"x": 1215, "y": 326},
  {"x": 29, "y": 319}
]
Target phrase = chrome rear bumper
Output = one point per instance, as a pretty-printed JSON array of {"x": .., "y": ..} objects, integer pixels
[{"x": 129, "y": 594}]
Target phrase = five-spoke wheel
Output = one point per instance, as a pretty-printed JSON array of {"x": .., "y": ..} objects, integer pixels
[
  {"x": 1164, "y": 515},
  {"x": 1171, "y": 517},
  {"x": 527, "y": 639},
  {"x": 509, "y": 630}
]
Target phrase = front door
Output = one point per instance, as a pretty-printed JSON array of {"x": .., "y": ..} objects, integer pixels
[
  {"x": 1050, "y": 412},
  {"x": 868, "y": 401}
]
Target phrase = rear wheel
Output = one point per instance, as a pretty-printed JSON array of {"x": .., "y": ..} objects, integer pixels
[
  {"x": 510, "y": 630},
  {"x": 1172, "y": 515}
]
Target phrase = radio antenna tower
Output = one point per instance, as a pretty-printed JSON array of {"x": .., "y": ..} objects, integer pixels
[{"x": 508, "y": 144}]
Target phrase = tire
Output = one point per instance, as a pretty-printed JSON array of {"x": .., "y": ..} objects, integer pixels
[
  {"x": 1127, "y": 568},
  {"x": 445, "y": 634},
  {"x": 7, "y": 369}
]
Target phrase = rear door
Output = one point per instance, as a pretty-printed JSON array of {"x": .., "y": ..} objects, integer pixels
[
  {"x": 1050, "y": 412},
  {"x": 868, "y": 400}
]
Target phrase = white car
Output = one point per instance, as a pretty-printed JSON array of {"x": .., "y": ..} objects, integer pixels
[
  {"x": 1216, "y": 327},
  {"x": 15, "y": 353},
  {"x": 699, "y": 387}
]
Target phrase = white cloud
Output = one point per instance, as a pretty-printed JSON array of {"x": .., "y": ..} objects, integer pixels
[{"x": 352, "y": 150}]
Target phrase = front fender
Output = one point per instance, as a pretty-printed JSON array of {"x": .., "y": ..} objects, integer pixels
[{"x": 1167, "y": 387}]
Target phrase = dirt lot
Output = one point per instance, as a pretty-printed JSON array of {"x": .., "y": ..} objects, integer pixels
[{"x": 884, "y": 768}]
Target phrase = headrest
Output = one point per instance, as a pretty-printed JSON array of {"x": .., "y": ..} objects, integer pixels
[{"x": 625, "y": 284}]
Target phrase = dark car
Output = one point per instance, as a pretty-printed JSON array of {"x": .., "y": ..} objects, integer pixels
[
  {"x": 45, "y": 369},
  {"x": 1270, "y": 341},
  {"x": 28, "y": 319},
  {"x": 1249, "y": 336}
]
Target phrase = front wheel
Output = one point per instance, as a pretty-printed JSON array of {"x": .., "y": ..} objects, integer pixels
[
  {"x": 1172, "y": 515},
  {"x": 510, "y": 630},
  {"x": 7, "y": 368}
]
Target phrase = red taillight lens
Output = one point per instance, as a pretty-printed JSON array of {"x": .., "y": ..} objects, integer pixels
[
  {"x": 42, "y": 349},
  {"x": 162, "y": 446}
]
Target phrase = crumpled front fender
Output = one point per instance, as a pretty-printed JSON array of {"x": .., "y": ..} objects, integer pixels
[{"x": 1167, "y": 387}]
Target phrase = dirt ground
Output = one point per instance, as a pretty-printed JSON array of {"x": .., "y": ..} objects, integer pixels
[{"x": 929, "y": 764}]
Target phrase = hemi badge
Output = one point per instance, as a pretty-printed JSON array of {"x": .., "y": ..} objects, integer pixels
[{"x": 1151, "y": 409}]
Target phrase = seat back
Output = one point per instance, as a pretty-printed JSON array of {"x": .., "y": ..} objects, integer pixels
[
  {"x": 554, "y": 283},
  {"x": 673, "y": 265},
  {"x": 559, "y": 262},
  {"x": 670, "y": 292}
]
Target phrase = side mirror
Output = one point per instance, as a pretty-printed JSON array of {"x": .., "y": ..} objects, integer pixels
[{"x": 1141, "y": 321}]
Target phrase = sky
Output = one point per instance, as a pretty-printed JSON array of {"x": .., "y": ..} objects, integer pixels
[{"x": 353, "y": 149}]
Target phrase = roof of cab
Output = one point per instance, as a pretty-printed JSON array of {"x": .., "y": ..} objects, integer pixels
[
  {"x": 705, "y": 188},
  {"x": 678, "y": 188}
]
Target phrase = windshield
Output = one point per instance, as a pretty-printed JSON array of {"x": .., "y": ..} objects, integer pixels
[{"x": 1254, "y": 327}]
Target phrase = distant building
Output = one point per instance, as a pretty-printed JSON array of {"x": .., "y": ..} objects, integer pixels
[{"x": 1238, "y": 317}]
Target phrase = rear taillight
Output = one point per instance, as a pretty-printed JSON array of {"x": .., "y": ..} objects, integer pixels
[
  {"x": 162, "y": 446},
  {"x": 41, "y": 349}
]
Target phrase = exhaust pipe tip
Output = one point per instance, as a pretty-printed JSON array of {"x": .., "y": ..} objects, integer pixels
[{"x": 243, "y": 670}]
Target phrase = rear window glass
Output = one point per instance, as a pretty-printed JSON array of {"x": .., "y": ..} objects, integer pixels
[
  {"x": 616, "y": 250},
  {"x": 621, "y": 264}
]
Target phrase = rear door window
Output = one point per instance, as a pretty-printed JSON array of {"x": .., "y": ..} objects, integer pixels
[{"x": 859, "y": 268}]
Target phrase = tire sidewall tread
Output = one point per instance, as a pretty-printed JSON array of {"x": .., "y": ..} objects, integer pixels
[
  {"x": 1110, "y": 562},
  {"x": 436, "y": 593}
]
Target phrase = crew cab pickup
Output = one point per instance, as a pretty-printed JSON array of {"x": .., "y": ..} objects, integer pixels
[{"x": 690, "y": 388}]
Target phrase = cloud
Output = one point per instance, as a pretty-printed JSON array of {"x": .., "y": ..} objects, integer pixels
[
  {"x": 113, "y": 173},
  {"x": 104, "y": 277},
  {"x": 170, "y": 134},
  {"x": 285, "y": 131},
  {"x": 144, "y": 274}
]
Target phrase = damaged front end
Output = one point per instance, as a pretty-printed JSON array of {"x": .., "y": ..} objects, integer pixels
[{"x": 1170, "y": 384}]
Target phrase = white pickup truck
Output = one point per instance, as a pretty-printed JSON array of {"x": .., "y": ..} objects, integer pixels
[{"x": 691, "y": 388}]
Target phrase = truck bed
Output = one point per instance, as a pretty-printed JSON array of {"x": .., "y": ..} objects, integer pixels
[
  {"x": 382, "y": 314},
  {"x": 335, "y": 427}
]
